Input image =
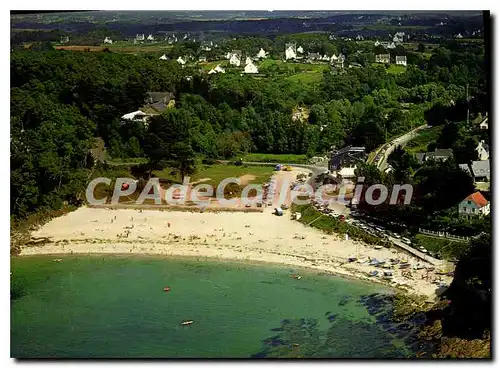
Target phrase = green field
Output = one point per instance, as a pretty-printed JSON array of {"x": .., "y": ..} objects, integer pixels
[
  {"x": 276, "y": 158},
  {"x": 445, "y": 248},
  {"x": 216, "y": 173},
  {"x": 427, "y": 136},
  {"x": 396, "y": 69}
]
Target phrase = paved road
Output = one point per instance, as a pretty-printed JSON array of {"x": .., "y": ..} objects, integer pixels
[{"x": 382, "y": 156}]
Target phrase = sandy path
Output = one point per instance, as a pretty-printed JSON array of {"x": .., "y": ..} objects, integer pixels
[{"x": 240, "y": 236}]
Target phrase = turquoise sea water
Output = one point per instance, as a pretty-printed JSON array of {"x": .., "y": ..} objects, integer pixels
[{"x": 115, "y": 306}]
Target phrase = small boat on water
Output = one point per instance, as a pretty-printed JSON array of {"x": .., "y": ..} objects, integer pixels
[
  {"x": 373, "y": 273},
  {"x": 188, "y": 322}
]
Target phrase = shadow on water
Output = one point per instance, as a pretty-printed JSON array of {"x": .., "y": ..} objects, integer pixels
[{"x": 345, "y": 338}]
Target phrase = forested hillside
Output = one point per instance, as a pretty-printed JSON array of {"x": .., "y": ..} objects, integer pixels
[{"x": 61, "y": 100}]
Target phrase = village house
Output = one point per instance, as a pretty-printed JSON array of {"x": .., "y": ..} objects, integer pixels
[
  {"x": 181, "y": 60},
  {"x": 151, "y": 37},
  {"x": 235, "y": 57},
  {"x": 346, "y": 157},
  {"x": 290, "y": 51},
  {"x": 139, "y": 37},
  {"x": 250, "y": 68},
  {"x": 483, "y": 125},
  {"x": 202, "y": 59},
  {"x": 401, "y": 60},
  {"x": 108, "y": 40},
  {"x": 338, "y": 61},
  {"x": 483, "y": 151},
  {"x": 474, "y": 205},
  {"x": 300, "y": 50},
  {"x": 135, "y": 116},
  {"x": 64, "y": 39},
  {"x": 392, "y": 45},
  {"x": 441, "y": 154},
  {"x": 261, "y": 54},
  {"x": 359, "y": 37},
  {"x": 313, "y": 56},
  {"x": 480, "y": 171},
  {"x": 459, "y": 36},
  {"x": 163, "y": 57},
  {"x": 383, "y": 58},
  {"x": 206, "y": 46},
  {"x": 398, "y": 37},
  {"x": 216, "y": 70}
]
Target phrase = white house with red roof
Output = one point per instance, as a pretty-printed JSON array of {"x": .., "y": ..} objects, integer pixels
[{"x": 474, "y": 205}]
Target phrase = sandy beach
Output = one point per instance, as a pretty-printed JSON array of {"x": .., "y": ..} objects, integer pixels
[{"x": 254, "y": 236}]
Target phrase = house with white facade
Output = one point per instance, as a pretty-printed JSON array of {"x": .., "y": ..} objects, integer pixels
[
  {"x": 474, "y": 205},
  {"x": 139, "y": 37},
  {"x": 235, "y": 58},
  {"x": 337, "y": 61},
  {"x": 290, "y": 51},
  {"x": 108, "y": 40},
  {"x": 64, "y": 39},
  {"x": 151, "y": 37},
  {"x": 251, "y": 68},
  {"x": 300, "y": 50},
  {"x": 401, "y": 60},
  {"x": 181, "y": 60},
  {"x": 262, "y": 54},
  {"x": 163, "y": 57},
  {"x": 216, "y": 70},
  {"x": 383, "y": 58},
  {"x": 483, "y": 151}
]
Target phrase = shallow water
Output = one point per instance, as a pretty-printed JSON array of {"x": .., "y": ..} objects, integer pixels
[{"x": 115, "y": 306}]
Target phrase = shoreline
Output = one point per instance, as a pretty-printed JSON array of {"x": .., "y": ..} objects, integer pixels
[
  {"x": 252, "y": 262},
  {"x": 238, "y": 236}
]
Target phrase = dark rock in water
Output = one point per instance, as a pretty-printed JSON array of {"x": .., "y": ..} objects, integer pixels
[{"x": 332, "y": 317}]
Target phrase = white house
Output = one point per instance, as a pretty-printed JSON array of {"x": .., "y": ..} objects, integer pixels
[
  {"x": 250, "y": 68},
  {"x": 163, "y": 57},
  {"x": 248, "y": 60},
  {"x": 401, "y": 60},
  {"x": 459, "y": 36},
  {"x": 135, "y": 116},
  {"x": 217, "y": 69},
  {"x": 290, "y": 51},
  {"x": 359, "y": 37},
  {"x": 139, "y": 37},
  {"x": 108, "y": 40},
  {"x": 151, "y": 38},
  {"x": 376, "y": 43},
  {"x": 484, "y": 124},
  {"x": 181, "y": 61},
  {"x": 398, "y": 37},
  {"x": 300, "y": 50},
  {"x": 235, "y": 58},
  {"x": 325, "y": 58},
  {"x": 391, "y": 46},
  {"x": 483, "y": 151},
  {"x": 261, "y": 54},
  {"x": 64, "y": 39}
]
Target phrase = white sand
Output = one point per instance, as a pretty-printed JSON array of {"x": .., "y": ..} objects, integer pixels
[{"x": 225, "y": 235}]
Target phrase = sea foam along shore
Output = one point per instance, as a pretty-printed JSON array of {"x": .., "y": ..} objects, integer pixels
[{"x": 259, "y": 237}]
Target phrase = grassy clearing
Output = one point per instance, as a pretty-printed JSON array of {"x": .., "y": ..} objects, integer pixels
[
  {"x": 332, "y": 225},
  {"x": 277, "y": 158},
  {"x": 396, "y": 69},
  {"x": 212, "y": 64},
  {"x": 425, "y": 137},
  {"x": 306, "y": 77},
  {"x": 219, "y": 172},
  {"x": 446, "y": 248},
  {"x": 121, "y": 47}
]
